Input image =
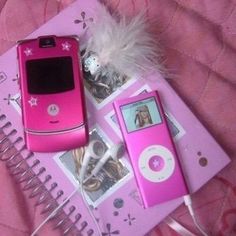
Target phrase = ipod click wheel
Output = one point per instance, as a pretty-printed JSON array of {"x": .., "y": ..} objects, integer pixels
[
  {"x": 156, "y": 163},
  {"x": 150, "y": 147}
]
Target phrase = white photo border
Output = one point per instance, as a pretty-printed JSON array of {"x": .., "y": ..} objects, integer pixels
[{"x": 115, "y": 187}]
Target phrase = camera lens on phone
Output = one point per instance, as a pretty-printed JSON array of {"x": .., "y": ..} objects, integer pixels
[{"x": 47, "y": 42}]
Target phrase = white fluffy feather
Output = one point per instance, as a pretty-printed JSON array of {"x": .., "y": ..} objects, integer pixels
[{"x": 121, "y": 45}]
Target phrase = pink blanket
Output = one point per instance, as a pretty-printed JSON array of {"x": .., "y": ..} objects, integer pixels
[{"x": 198, "y": 38}]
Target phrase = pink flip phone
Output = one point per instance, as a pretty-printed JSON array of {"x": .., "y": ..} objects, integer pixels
[
  {"x": 52, "y": 94},
  {"x": 150, "y": 147}
]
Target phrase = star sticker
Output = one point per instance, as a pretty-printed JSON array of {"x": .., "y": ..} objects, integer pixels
[
  {"x": 33, "y": 101},
  {"x": 66, "y": 46},
  {"x": 130, "y": 219},
  {"x": 84, "y": 20},
  {"x": 110, "y": 232},
  {"x": 28, "y": 52}
]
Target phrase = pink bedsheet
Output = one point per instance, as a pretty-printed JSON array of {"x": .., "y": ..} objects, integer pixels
[{"x": 199, "y": 41}]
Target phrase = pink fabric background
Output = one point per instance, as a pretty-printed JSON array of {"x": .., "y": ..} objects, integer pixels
[{"x": 199, "y": 41}]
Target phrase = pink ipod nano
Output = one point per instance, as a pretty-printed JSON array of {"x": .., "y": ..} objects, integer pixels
[
  {"x": 150, "y": 147},
  {"x": 52, "y": 94}
]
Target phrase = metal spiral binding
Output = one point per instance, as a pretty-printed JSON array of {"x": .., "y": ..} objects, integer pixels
[{"x": 26, "y": 175}]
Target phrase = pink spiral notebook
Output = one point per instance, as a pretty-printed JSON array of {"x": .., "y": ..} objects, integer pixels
[{"x": 114, "y": 200}]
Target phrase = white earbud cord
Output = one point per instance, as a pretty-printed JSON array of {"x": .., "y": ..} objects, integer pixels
[
  {"x": 55, "y": 211},
  {"x": 90, "y": 212},
  {"x": 63, "y": 204},
  {"x": 80, "y": 187},
  {"x": 188, "y": 203},
  {"x": 116, "y": 150}
]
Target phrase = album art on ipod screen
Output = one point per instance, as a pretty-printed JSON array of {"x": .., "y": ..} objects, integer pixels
[{"x": 141, "y": 114}]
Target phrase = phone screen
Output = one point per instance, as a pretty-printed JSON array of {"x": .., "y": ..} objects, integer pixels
[
  {"x": 141, "y": 114},
  {"x": 50, "y": 75}
]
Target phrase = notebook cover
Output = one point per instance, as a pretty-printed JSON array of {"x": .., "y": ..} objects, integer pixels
[{"x": 116, "y": 205}]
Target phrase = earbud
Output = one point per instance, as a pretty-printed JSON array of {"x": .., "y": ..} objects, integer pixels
[
  {"x": 95, "y": 150},
  {"x": 115, "y": 152}
]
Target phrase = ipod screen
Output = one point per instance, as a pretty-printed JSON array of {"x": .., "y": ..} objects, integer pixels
[{"x": 141, "y": 114}]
